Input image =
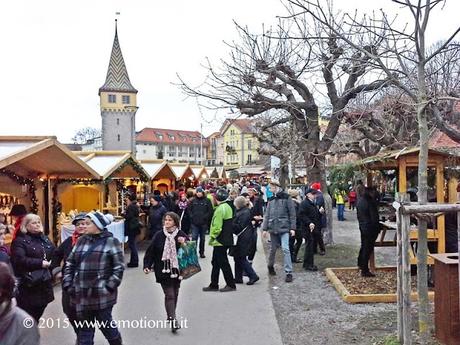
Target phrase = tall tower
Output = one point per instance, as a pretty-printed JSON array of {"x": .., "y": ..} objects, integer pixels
[{"x": 118, "y": 102}]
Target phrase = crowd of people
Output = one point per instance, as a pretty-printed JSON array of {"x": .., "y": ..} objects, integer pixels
[{"x": 90, "y": 263}]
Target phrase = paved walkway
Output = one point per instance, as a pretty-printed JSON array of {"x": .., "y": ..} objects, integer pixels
[{"x": 242, "y": 317}]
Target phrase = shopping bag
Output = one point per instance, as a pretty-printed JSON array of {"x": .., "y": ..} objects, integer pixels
[{"x": 188, "y": 260}]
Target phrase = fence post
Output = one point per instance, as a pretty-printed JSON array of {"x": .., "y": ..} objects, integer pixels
[{"x": 406, "y": 279}]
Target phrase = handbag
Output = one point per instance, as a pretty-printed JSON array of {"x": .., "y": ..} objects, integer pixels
[
  {"x": 235, "y": 236},
  {"x": 36, "y": 278},
  {"x": 188, "y": 260}
]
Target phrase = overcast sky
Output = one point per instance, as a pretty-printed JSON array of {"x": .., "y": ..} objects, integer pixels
[{"x": 55, "y": 55}]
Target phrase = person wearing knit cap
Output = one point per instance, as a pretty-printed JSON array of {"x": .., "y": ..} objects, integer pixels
[
  {"x": 96, "y": 254},
  {"x": 161, "y": 256},
  {"x": 318, "y": 232}
]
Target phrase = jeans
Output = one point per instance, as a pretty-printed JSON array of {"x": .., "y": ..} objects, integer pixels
[
  {"x": 340, "y": 211},
  {"x": 133, "y": 249},
  {"x": 308, "y": 259},
  {"x": 282, "y": 240},
  {"x": 199, "y": 231},
  {"x": 242, "y": 264},
  {"x": 220, "y": 262},
  {"x": 171, "y": 292},
  {"x": 104, "y": 317}
]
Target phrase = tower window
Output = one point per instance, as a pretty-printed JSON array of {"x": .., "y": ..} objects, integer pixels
[
  {"x": 118, "y": 137},
  {"x": 125, "y": 99},
  {"x": 112, "y": 98},
  {"x": 118, "y": 121}
]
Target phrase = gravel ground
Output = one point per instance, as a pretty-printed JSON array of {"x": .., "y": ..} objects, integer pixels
[{"x": 310, "y": 311}]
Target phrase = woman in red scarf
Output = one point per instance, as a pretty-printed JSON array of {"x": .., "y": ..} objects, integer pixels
[{"x": 60, "y": 256}]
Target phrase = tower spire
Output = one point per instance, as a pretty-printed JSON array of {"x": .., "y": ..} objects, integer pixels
[{"x": 117, "y": 78}]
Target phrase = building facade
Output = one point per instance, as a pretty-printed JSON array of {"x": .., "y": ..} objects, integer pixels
[
  {"x": 118, "y": 103},
  {"x": 172, "y": 145},
  {"x": 239, "y": 142},
  {"x": 216, "y": 150}
]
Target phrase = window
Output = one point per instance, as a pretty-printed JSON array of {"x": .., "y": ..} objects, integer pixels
[
  {"x": 172, "y": 151},
  {"x": 112, "y": 98},
  {"x": 232, "y": 132},
  {"x": 125, "y": 99},
  {"x": 118, "y": 137},
  {"x": 249, "y": 159},
  {"x": 144, "y": 151},
  {"x": 118, "y": 121},
  {"x": 249, "y": 145}
]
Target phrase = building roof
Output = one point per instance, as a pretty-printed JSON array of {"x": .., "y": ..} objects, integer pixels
[
  {"x": 113, "y": 164},
  {"x": 244, "y": 125},
  {"x": 170, "y": 136},
  {"x": 158, "y": 169},
  {"x": 29, "y": 156},
  {"x": 117, "y": 78},
  {"x": 440, "y": 140}
]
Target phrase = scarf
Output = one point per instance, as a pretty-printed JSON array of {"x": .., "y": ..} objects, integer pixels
[
  {"x": 75, "y": 237},
  {"x": 182, "y": 204},
  {"x": 169, "y": 257},
  {"x": 17, "y": 226},
  {"x": 7, "y": 309}
]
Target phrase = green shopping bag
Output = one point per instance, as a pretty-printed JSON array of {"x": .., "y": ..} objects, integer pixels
[{"x": 188, "y": 260}]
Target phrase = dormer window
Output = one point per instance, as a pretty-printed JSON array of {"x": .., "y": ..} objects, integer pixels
[
  {"x": 112, "y": 98},
  {"x": 125, "y": 99}
]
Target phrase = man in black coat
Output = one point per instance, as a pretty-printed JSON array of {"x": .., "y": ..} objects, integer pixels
[
  {"x": 369, "y": 226},
  {"x": 200, "y": 212},
  {"x": 257, "y": 213},
  {"x": 132, "y": 229},
  {"x": 310, "y": 219}
]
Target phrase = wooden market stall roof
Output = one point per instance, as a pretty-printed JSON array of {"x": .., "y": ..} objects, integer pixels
[
  {"x": 199, "y": 171},
  {"x": 158, "y": 169},
  {"x": 181, "y": 170},
  {"x": 114, "y": 164},
  {"x": 390, "y": 159},
  {"x": 41, "y": 156},
  {"x": 251, "y": 170}
]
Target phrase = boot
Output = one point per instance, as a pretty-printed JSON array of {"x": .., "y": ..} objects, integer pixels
[{"x": 271, "y": 271}]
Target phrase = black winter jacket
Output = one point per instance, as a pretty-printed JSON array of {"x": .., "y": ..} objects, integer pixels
[
  {"x": 132, "y": 225},
  {"x": 309, "y": 213},
  {"x": 27, "y": 254},
  {"x": 154, "y": 254},
  {"x": 368, "y": 215},
  {"x": 200, "y": 211},
  {"x": 241, "y": 221},
  {"x": 156, "y": 214}
]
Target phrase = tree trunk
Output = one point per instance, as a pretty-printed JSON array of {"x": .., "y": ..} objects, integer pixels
[
  {"x": 284, "y": 171},
  {"x": 422, "y": 247}
]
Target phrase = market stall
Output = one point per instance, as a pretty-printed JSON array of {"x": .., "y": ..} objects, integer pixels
[
  {"x": 162, "y": 176},
  {"x": 199, "y": 172},
  {"x": 184, "y": 174},
  {"x": 29, "y": 166}
]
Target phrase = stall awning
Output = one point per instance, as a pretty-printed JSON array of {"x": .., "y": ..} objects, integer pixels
[
  {"x": 41, "y": 156},
  {"x": 114, "y": 164},
  {"x": 158, "y": 169},
  {"x": 252, "y": 170},
  {"x": 181, "y": 170},
  {"x": 199, "y": 171}
]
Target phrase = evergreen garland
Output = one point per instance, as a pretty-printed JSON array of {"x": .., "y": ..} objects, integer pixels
[{"x": 25, "y": 182}]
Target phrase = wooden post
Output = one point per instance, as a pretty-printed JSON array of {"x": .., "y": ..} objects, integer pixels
[
  {"x": 403, "y": 269},
  {"x": 441, "y": 225},
  {"x": 399, "y": 271},
  {"x": 402, "y": 177},
  {"x": 458, "y": 234},
  {"x": 406, "y": 279}
]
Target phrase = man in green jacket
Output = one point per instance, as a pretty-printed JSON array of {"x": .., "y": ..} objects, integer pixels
[{"x": 221, "y": 238}]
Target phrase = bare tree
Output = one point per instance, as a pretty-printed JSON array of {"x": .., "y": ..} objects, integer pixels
[
  {"x": 404, "y": 58},
  {"x": 85, "y": 134}
]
